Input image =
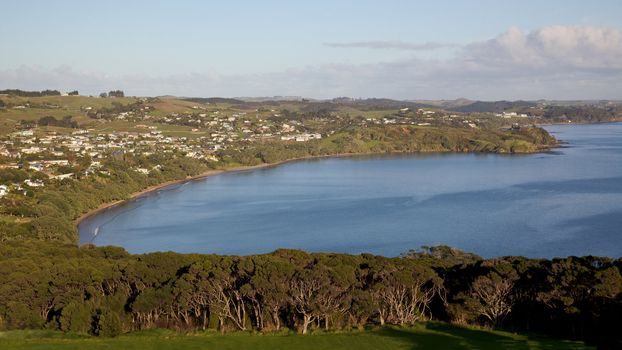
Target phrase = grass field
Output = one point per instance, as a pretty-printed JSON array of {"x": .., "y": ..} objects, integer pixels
[
  {"x": 72, "y": 105},
  {"x": 66, "y": 105},
  {"x": 424, "y": 336}
]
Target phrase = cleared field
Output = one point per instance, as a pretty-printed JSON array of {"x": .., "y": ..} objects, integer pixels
[
  {"x": 425, "y": 336},
  {"x": 55, "y": 106}
]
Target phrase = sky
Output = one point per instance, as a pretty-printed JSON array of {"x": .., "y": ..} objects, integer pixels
[{"x": 477, "y": 49}]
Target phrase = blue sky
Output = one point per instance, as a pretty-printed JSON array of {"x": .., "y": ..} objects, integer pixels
[{"x": 398, "y": 49}]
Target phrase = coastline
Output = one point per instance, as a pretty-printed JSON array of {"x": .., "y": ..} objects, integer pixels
[
  {"x": 213, "y": 172},
  {"x": 579, "y": 123},
  {"x": 105, "y": 206},
  {"x": 203, "y": 175}
]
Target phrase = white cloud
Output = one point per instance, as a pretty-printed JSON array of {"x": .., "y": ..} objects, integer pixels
[
  {"x": 557, "y": 62},
  {"x": 399, "y": 45},
  {"x": 559, "y": 47}
]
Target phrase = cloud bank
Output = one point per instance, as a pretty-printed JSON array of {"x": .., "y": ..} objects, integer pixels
[
  {"x": 559, "y": 47},
  {"x": 556, "y": 62}
]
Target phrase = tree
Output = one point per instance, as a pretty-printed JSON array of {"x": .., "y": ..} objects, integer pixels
[
  {"x": 151, "y": 305},
  {"x": 268, "y": 289},
  {"x": 191, "y": 293},
  {"x": 403, "y": 293},
  {"x": 116, "y": 93},
  {"x": 318, "y": 291},
  {"x": 494, "y": 294},
  {"x": 66, "y": 122},
  {"x": 224, "y": 296},
  {"x": 109, "y": 324},
  {"x": 76, "y": 317},
  {"x": 304, "y": 288},
  {"x": 53, "y": 228}
]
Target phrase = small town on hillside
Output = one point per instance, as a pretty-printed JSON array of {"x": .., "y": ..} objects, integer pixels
[{"x": 88, "y": 130}]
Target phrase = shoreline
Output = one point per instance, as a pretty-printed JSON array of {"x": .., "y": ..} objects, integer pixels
[
  {"x": 579, "y": 123},
  {"x": 204, "y": 175},
  {"x": 213, "y": 172}
]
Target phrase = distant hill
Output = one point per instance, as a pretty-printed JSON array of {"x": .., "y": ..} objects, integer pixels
[
  {"x": 583, "y": 113},
  {"x": 213, "y": 100},
  {"x": 446, "y": 104},
  {"x": 379, "y": 103},
  {"x": 272, "y": 98},
  {"x": 492, "y": 107}
]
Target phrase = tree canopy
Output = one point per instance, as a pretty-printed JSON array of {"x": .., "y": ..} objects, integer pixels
[{"x": 106, "y": 291}]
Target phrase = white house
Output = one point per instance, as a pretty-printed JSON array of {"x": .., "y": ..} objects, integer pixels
[{"x": 35, "y": 183}]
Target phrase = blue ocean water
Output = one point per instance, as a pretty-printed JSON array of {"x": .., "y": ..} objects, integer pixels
[{"x": 564, "y": 202}]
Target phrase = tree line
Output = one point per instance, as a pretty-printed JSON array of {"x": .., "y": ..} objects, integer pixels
[
  {"x": 112, "y": 93},
  {"x": 66, "y": 122},
  {"x": 106, "y": 291},
  {"x": 22, "y": 93}
]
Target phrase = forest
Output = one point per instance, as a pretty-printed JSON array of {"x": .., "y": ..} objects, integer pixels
[{"x": 105, "y": 291}]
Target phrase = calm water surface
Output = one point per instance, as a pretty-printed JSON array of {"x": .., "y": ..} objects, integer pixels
[{"x": 566, "y": 202}]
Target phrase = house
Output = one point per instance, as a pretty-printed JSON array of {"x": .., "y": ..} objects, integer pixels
[
  {"x": 31, "y": 150},
  {"x": 56, "y": 162},
  {"x": 62, "y": 176},
  {"x": 26, "y": 133},
  {"x": 35, "y": 183},
  {"x": 36, "y": 166}
]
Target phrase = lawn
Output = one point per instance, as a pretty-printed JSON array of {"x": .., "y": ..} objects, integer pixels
[{"x": 425, "y": 336}]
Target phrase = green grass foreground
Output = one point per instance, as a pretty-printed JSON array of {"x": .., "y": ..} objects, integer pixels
[{"x": 431, "y": 335}]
